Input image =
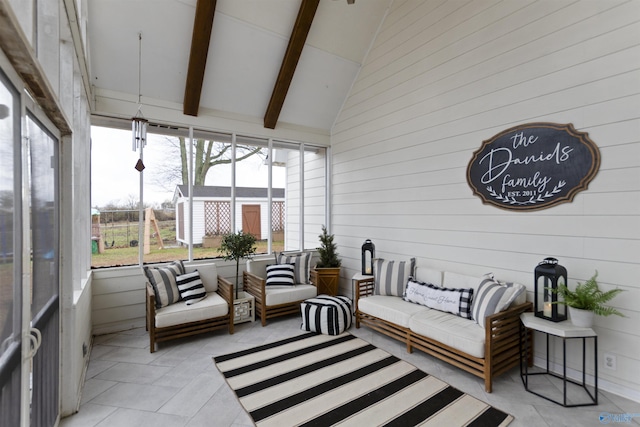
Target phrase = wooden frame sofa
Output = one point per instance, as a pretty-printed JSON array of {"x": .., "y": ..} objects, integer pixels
[
  {"x": 179, "y": 320},
  {"x": 275, "y": 301},
  {"x": 503, "y": 343}
]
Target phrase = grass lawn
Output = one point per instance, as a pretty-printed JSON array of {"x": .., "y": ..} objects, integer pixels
[{"x": 115, "y": 257}]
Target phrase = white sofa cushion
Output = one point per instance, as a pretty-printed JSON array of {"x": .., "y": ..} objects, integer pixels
[
  {"x": 462, "y": 334},
  {"x": 259, "y": 266},
  {"x": 284, "y": 294},
  {"x": 428, "y": 275},
  {"x": 390, "y": 309},
  {"x": 208, "y": 275},
  {"x": 455, "y": 280},
  {"x": 175, "y": 314}
]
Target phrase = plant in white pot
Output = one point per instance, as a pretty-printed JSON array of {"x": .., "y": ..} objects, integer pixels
[{"x": 586, "y": 301}]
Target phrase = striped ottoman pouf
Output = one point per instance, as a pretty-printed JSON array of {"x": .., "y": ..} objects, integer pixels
[{"x": 326, "y": 314}]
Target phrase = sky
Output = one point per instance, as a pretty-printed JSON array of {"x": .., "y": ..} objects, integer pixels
[{"x": 115, "y": 180}]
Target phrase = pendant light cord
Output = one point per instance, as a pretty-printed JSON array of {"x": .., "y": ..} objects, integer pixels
[{"x": 139, "y": 74}]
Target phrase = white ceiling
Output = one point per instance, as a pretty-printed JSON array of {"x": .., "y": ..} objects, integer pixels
[{"x": 248, "y": 42}]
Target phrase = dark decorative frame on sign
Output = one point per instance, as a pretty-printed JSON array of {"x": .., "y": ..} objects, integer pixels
[{"x": 533, "y": 166}]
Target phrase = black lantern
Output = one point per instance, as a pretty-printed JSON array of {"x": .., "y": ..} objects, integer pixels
[
  {"x": 549, "y": 275},
  {"x": 368, "y": 253}
]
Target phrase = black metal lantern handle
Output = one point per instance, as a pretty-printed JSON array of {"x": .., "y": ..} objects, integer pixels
[{"x": 549, "y": 260}]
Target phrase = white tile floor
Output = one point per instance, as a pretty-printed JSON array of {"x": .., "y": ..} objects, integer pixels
[{"x": 179, "y": 385}]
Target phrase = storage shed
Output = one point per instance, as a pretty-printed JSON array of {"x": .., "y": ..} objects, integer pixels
[{"x": 212, "y": 211}]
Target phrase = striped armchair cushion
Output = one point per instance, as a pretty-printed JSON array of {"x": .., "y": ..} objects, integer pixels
[{"x": 163, "y": 281}]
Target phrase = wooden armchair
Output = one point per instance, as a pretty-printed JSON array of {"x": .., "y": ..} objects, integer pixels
[
  {"x": 180, "y": 320},
  {"x": 273, "y": 301}
]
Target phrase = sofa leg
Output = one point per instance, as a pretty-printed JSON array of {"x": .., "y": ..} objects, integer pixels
[
  {"x": 488, "y": 384},
  {"x": 152, "y": 343}
]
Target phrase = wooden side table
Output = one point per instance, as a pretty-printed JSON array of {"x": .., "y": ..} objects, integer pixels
[{"x": 566, "y": 331}]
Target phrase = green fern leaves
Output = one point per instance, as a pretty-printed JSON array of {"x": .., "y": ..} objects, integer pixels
[{"x": 588, "y": 296}]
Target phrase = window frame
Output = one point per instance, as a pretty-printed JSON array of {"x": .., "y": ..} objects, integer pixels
[{"x": 190, "y": 133}]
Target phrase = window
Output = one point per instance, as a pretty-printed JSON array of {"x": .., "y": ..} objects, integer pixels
[
  {"x": 10, "y": 255},
  {"x": 235, "y": 186}
]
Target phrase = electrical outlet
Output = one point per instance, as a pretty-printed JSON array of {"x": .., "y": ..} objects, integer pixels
[{"x": 610, "y": 361}]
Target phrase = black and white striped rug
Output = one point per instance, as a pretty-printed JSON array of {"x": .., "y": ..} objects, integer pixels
[{"x": 322, "y": 380}]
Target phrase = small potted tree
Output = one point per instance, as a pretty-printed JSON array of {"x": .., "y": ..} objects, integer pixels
[
  {"x": 237, "y": 246},
  {"x": 326, "y": 274},
  {"x": 586, "y": 301}
]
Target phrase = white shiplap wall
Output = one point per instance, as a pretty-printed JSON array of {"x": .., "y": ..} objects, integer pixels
[
  {"x": 441, "y": 77},
  {"x": 314, "y": 199}
]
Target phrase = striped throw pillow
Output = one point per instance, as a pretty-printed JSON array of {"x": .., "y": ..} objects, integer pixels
[
  {"x": 301, "y": 262},
  {"x": 280, "y": 275},
  {"x": 492, "y": 297},
  {"x": 163, "y": 282},
  {"x": 191, "y": 287},
  {"x": 391, "y": 277}
]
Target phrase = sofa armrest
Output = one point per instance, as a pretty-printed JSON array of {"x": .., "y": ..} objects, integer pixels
[
  {"x": 225, "y": 290},
  {"x": 254, "y": 285},
  {"x": 504, "y": 327},
  {"x": 363, "y": 288}
]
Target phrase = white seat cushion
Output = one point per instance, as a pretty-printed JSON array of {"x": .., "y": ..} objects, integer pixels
[
  {"x": 276, "y": 295},
  {"x": 175, "y": 314},
  {"x": 462, "y": 334},
  {"x": 391, "y": 309}
]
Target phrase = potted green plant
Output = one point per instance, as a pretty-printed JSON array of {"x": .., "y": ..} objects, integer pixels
[
  {"x": 236, "y": 246},
  {"x": 326, "y": 274},
  {"x": 586, "y": 301}
]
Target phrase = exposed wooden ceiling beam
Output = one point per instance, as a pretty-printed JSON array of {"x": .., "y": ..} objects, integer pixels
[
  {"x": 202, "y": 25},
  {"x": 290, "y": 61}
]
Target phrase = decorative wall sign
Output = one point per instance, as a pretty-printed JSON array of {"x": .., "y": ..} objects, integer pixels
[{"x": 533, "y": 166}]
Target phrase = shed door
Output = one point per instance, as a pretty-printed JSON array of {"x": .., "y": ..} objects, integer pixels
[{"x": 251, "y": 220}]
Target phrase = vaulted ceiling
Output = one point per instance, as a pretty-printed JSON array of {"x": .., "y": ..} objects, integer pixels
[{"x": 251, "y": 65}]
